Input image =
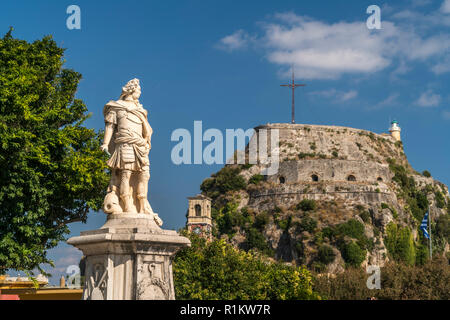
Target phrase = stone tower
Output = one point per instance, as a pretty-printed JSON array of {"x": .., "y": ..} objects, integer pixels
[
  {"x": 199, "y": 215},
  {"x": 395, "y": 130}
]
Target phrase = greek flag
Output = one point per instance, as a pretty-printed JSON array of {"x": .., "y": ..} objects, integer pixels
[{"x": 424, "y": 226}]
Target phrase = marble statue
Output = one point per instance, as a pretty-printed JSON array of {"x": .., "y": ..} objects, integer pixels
[
  {"x": 128, "y": 142},
  {"x": 130, "y": 256}
]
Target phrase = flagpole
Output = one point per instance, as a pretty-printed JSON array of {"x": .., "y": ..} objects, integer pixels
[{"x": 429, "y": 231}]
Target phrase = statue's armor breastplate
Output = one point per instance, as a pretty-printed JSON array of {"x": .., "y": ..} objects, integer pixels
[{"x": 129, "y": 122}]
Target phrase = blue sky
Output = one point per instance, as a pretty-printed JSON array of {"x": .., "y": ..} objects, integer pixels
[{"x": 222, "y": 62}]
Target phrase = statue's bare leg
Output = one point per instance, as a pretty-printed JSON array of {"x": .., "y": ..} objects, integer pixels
[
  {"x": 125, "y": 195},
  {"x": 114, "y": 181},
  {"x": 142, "y": 188}
]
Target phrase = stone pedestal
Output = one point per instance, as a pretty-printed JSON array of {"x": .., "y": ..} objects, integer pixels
[{"x": 129, "y": 258}]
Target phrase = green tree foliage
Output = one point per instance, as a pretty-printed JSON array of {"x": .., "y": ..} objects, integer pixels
[
  {"x": 350, "y": 285},
  {"x": 325, "y": 254},
  {"x": 227, "y": 179},
  {"x": 422, "y": 254},
  {"x": 351, "y": 240},
  {"x": 225, "y": 222},
  {"x": 440, "y": 200},
  {"x": 261, "y": 220},
  {"x": 353, "y": 254},
  {"x": 442, "y": 229},
  {"x": 427, "y": 282},
  {"x": 307, "y": 205},
  {"x": 256, "y": 240},
  {"x": 399, "y": 281},
  {"x": 329, "y": 233},
  {"x": 365, "y": 216},
  {"x": 255, "y": 179},
  {"x": 217, "y": 270},
  {"x": 52, "y": 170},
  {"x": 418, "y": 203},
  {"x": 355, "y": 229},
  {"x": 400, "y": 244},
  {"x": 303, "y": 155},
  {"x": 228, "y": 217},
  {"x": 426, "y": 173},
  {"x": 300, "y": 249},
  {"x": 416, "y": 199},
  {"x": 352, "y": 228},
  {"x": 307, "y": 224},
  {"x": 285, "y": 224}
]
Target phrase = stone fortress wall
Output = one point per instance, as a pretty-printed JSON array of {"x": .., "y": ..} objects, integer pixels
[
  {"x": 323, "y": 162},
  {"x": 333, "y": 153},
  {"x": 331, "y": 170}
]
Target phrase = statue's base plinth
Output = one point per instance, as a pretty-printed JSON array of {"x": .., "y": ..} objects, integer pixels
[{"x": 129, "y": 258}]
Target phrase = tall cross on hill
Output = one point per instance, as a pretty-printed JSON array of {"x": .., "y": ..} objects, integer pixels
[{"x": 293, "y": 85}]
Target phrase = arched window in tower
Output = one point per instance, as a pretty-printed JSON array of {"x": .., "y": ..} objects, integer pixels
[
  {"x": 380, "y": 179},
  {"x": 351, "y": 178},
  {"x": 282, "y": 179},
  {"x": 315, "y": 177},
  {"x": 198, "y": 210}
]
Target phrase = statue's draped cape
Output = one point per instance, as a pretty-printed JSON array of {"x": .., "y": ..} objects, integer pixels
[{"x": 139, "y": 143}]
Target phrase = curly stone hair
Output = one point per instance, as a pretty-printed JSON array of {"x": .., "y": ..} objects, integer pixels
[{"x": 129, "y": 88}]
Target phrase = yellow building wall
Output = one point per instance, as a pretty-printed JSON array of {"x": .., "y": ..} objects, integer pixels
[{"x": 45, "y": 293}]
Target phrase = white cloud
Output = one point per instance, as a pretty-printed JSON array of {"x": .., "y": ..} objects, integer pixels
[
  {"x": 321, "y": 50},
  {"x": 446, "y": 115},
  {"x": 235, "y": 41},
  {"x": 401, "y": 69},
  {"x": 391, "y": 100},
  {"x": 71, "y": 256},
  {"x": 445, "y": 7},
  {"x": 442, "y": 67},
  {"x": 349, "y": 95},
  {"x": 420, "y": 3},
  {"x": 428, "y": 99},
  {"x": 420, "y": 20},
  {"x": 423, "y": 49},
  {"x": 336, "y": 95}
]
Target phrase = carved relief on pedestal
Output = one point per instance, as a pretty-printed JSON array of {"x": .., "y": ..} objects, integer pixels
[
  {"x": 153, "y": 285},
  {"x": 96, "y": 282}
]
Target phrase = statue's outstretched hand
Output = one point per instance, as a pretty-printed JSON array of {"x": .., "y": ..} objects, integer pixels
[{"x": 104, "y": 148}]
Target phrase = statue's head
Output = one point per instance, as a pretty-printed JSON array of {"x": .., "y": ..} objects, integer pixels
[{"x": 131, "y": 90}]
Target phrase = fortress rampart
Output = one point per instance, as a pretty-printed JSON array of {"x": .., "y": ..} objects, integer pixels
[
  {"x": 330, "y": 170},
  {"x": 333, "y": 153}
]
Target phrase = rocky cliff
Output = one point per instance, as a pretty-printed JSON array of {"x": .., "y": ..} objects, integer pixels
[{"x": 341, "y": 197}]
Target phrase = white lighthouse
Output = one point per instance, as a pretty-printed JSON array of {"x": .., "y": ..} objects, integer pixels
[{"x": 395, "y": 130}]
